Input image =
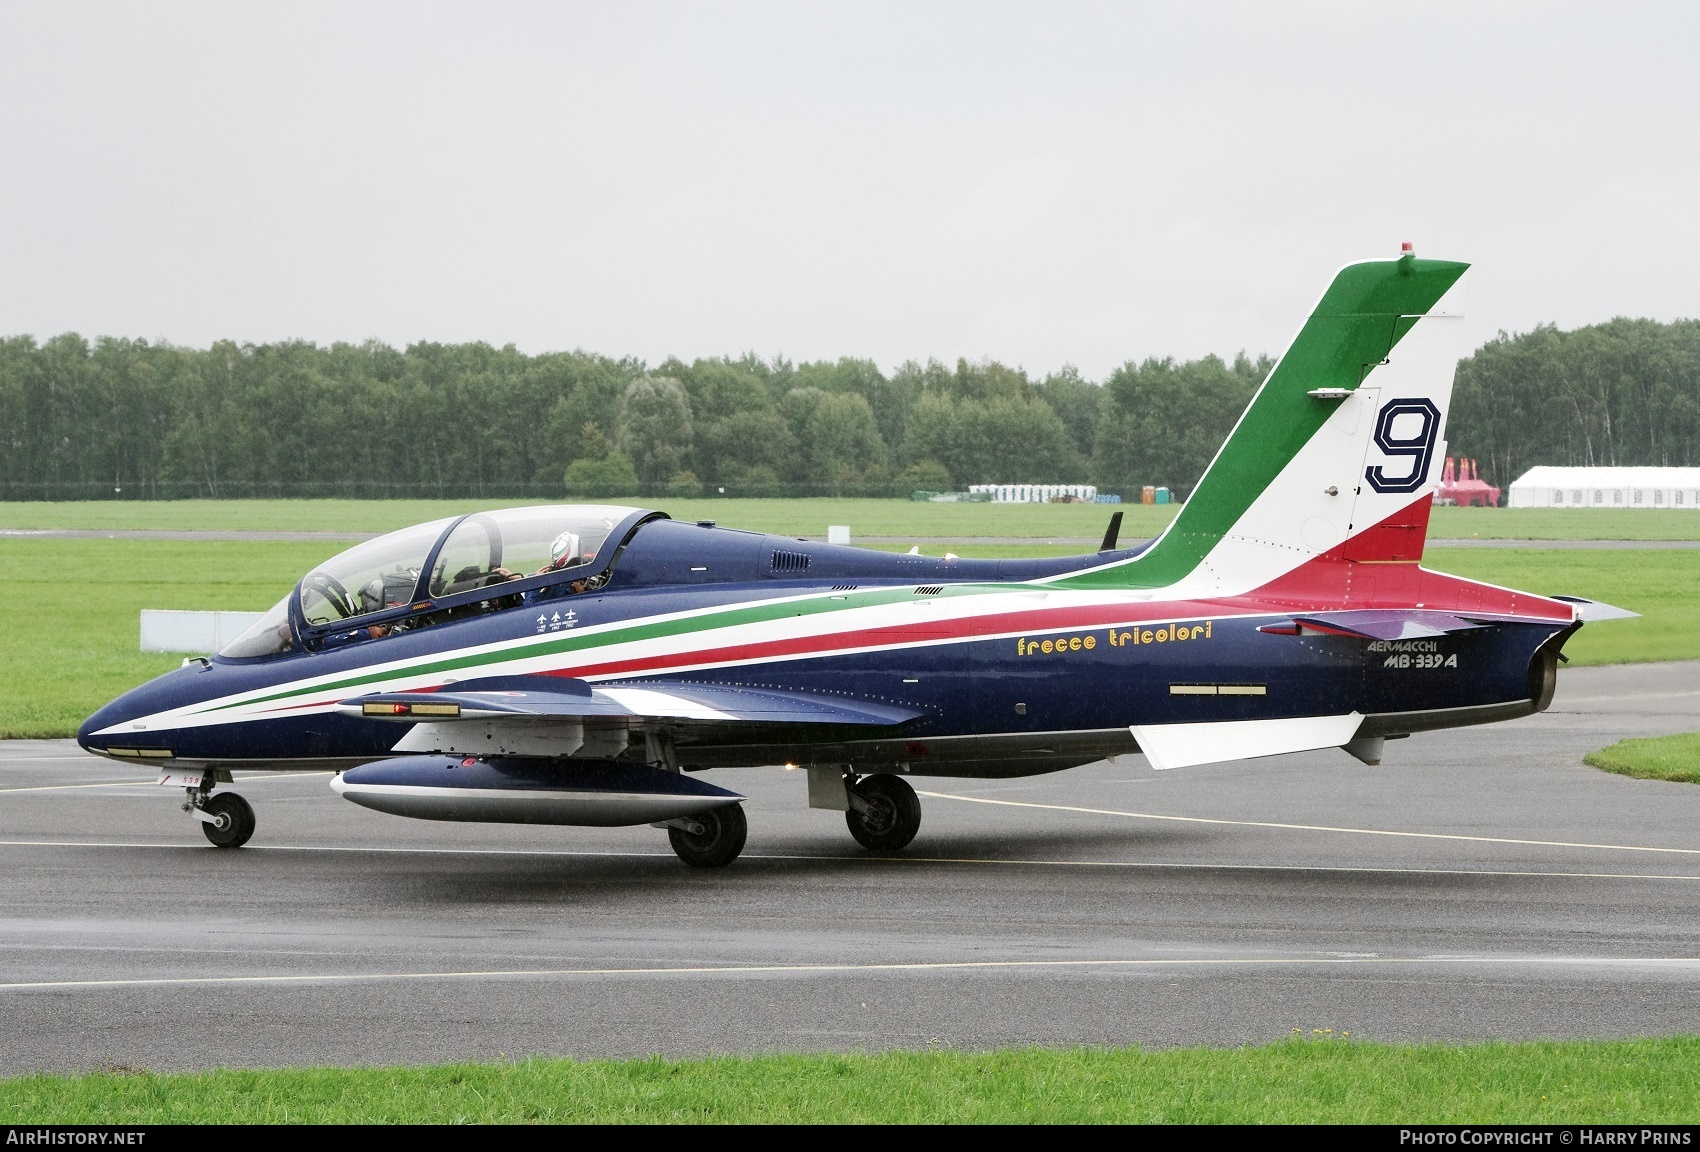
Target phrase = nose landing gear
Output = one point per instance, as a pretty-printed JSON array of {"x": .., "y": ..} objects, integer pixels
[{"x": 227, "y": 819}]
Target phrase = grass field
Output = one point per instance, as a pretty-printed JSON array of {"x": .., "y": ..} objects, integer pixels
[
  {"x": 70, "y": 615},
  {"x": 786, "y": 517},
  {"x": 810, "y": 517},
  {"x": 69, "y": 618},
  {"x": 1652, "y": 758},
  {"x": 1664, "y": 586},
  {"x": 1325, "y": 1080},
  {"x": 1559, "y": 524}
]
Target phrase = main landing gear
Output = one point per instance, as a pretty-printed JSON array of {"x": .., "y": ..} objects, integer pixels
[
  {"x": 227, "y": 819},
  {"x": 710, "y": 839},
  {"x": 884, "y": 812}
]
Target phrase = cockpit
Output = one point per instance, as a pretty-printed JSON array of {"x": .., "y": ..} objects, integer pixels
[
  {"x": 440, "y": 571},
  {"x": 468, "y": 566}
]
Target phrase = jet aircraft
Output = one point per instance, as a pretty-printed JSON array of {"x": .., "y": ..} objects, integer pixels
[{"x": 580, "y": 664}]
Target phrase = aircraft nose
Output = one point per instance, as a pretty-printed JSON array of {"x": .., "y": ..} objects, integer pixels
[
  {"x": 173, "y": 689},
  {"x": 116, "y": 712},
  {"x": 92, "y": 724}
]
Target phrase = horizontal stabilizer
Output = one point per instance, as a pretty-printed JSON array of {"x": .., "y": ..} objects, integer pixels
[
  {"x": 1386, "y": 624},
  {"x": 1589, "y": 611},
  {"x": 658, "y": 700},
  {"x": 1184, "y": 745}
]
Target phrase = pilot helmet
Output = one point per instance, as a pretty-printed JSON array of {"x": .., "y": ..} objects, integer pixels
[
  {"x": 564, "y": 551},
  {"x": 372, "y": 595}
]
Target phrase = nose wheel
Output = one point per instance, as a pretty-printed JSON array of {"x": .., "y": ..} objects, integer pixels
[{"x": 226, "y": 818}]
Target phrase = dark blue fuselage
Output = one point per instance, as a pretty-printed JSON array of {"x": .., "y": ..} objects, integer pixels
[{"x": 967, "y": 676}]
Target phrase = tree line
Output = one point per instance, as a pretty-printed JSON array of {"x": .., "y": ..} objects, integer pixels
[
  {"x": 118, "y": 418},
  {"x": 1623, "y": 392},
  {"x": 125, "y": 418}
]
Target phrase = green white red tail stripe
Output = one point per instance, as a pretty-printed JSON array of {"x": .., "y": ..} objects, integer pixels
[{"x": 1289, "y": 484}]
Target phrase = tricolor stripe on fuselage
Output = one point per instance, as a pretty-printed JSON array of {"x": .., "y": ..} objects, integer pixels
[{"x": 819, "y": 625}]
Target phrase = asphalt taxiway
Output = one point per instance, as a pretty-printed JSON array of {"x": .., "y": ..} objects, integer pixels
[{"x": 1479, "y": 883}]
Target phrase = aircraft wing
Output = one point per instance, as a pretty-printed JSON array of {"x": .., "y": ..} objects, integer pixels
[{"x": 558, "y": 699}]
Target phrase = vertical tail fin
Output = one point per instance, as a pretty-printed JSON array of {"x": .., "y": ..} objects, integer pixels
[{"x": 1345, "y": 436}]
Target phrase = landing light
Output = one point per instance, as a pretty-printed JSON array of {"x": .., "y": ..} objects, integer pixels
[{"x": 422, "y": 709}]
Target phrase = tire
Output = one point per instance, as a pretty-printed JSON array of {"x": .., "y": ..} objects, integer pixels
[
  {"x": 895, "y": 816},
  {"x": 236, "y": 820},
  {"x": 722, "y": 837}
]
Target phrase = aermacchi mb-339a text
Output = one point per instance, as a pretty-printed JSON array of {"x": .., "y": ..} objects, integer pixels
[{"x": 581, "y": 664}]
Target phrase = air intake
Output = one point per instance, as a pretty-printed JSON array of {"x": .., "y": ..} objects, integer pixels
[
  {"x": 929, "y": 590},
  {"x": 790, "y": 561}
]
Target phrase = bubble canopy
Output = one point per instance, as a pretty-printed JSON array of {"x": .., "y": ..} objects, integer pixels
[{"x": 441, "y": 560}]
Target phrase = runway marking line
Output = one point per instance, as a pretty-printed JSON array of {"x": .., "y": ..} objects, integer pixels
[
  {"x": 1307, "y": 827},
  {"x": 870, "y": 859},
  {"x": 153, "y": 784},
  {"x": 830, "y": 969}
]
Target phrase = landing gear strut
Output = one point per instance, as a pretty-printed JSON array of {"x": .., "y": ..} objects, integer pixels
[
  {"x": 709, "y": 839},
  {"x": 884, "y": 812}
]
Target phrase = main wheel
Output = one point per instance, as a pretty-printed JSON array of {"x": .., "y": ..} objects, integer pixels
[
  {"x": 235, "y": 820},
  {"x": 893, "y": 816},
  {"x": 719, "y": 842}
]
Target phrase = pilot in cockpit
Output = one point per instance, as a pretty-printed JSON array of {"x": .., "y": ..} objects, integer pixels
[
  {"x": 564, "y": 552},
  {"x": 390, "y": 583}
]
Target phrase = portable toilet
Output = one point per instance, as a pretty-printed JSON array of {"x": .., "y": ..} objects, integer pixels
[
  {"x": 1162, "y": 496},
  {"x": 1148, "y": 495}
]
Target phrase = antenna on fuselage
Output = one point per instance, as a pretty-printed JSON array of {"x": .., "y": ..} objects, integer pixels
[{"x": 1110, "y": 533}]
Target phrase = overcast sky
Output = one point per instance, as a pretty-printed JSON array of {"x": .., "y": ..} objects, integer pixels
[{"x": 1036, "y": 183}]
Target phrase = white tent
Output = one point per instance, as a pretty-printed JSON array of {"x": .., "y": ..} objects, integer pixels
[{"x": 1619, "y": 488}]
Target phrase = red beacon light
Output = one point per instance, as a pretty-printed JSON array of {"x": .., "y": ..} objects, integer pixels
[{"x": 1407, "y": 249}]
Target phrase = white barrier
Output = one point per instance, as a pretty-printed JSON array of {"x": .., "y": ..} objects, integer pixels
[
  {"x": 838, "y": 533},
  {"x": 196, "y": 632},
  {"x": 1035, "y": 493}
]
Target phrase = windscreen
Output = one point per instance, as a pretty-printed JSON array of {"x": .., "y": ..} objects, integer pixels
[
  {"x": 267, "y": 636},
  {"x": 369, "y": 577}
]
